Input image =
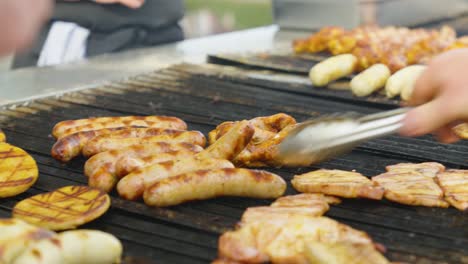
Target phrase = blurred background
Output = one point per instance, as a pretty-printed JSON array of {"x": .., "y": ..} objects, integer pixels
[{"x": 207, "y": 17}]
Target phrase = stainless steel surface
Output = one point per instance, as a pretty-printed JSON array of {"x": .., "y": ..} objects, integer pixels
[
  {"x": 313, "y": 14},
  {"x": 319, "y": 139},
  {"x": 26, "y": 84}
]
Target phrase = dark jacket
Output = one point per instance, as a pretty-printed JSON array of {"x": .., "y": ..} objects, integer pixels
[{"x": 115, "y": 27}]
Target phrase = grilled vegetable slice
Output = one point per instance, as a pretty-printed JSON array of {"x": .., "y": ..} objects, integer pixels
[
  {"x": 18, "y": 170},
  {"x": 64, "y": 208},
  {"x": 332, "y": 69},
  {"x": 454, "y": 183},
  {"x": 206, "y": 184},
  {"x": 337, "y": 182},
  {"x": 68, "y": 127},
  {"x": 74, "y": 247}
]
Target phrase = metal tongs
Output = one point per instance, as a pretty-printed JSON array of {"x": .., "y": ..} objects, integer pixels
[{"x": 320, "y": 139}]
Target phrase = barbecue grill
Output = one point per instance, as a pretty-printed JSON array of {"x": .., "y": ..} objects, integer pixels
[{"x": 206, "y": 95}]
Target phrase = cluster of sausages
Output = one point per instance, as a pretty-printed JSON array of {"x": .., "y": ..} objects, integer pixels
[{"x": 157, "y": 159}]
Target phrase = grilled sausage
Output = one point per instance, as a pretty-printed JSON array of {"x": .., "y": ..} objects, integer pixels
[
  {"x": 132, "y": 186},
  {"x": 206, "y": 184},
  {"x": 370, "y": 80},
  {"x": 111, "y": 142},
  {"x": 402, "y": 81},
  {"x": 231, "y": 144},
  {"x": 105, "y": 168},
  {"x": 72, "y": 126},
  {"x": 69, "y": 147},
  {"x": 332, "y": 69},
  {"x": 74, "y": 247}
]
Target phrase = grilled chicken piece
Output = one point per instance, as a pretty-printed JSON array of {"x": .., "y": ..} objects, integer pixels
[
  {"x": 461, "y": 130},
  {"x": 105, "y": 168},
  {"x": 283, "y": 239},
  {"x": 342, "y": 252},
  {"x": 68, "y": 147},
  {"x": 265, "y": 153},
  {"x": 266, "y": 130},
  {"x": 73, "y": 247},
  {"x": 253, "y": 214},
  {"x": 411, "y": 188},
  {"x": 16, "y": 236},
  {"x": 454, "y": 183},
  {"x": 18, "y": 170},
  {"x": 64, "y": 208},
  {"x": 305, "y": 200},
  {"x": 265, "y": 127},
  {"x": 113, "y": 142},
  {"x": 339, "y": 183},
  {"x": 319, "y": 41},
  {"x": 428, "y": 169},
  {"x": 68, "y": 127}
]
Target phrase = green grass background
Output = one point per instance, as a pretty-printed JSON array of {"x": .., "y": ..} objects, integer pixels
[{"x": 247, "y": 13}]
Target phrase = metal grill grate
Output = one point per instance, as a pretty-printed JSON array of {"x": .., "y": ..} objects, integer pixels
[{"x": 188, "y": 233}]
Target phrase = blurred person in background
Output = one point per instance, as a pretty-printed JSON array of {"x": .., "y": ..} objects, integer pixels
[
  {"x": 81, "y": 28},
  {"x": 19, "y": 22}
]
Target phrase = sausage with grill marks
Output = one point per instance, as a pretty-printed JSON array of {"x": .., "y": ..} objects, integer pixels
[
  {"x": 68, "y": 127},
  {"x": 230, "y": 144},
  {"x": 101, "y": 169},
  {"x": 207, "y": 184},
  {"x": 132, "y": 186},
  {"x": 111, "y": 142}
]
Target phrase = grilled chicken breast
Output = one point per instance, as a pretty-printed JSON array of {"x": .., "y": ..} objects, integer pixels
[
  {"x": 283, "y": 239},
  {"x": 207, "y": 184},
  {"x": 65, "y": 208},
  {"x": 305, "y": 200},
  {"x": 428, "y": 169},
  {"x": 411, "y": 188},
  {"x": 454, "y": 183},
  {"x": 18, "y": 170},
  {"x": 253, "y": 214},
  {"x": 68, "y": 127},
  {"x": 339, "y": 183}
]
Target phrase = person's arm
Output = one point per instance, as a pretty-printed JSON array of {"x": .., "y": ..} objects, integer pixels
[
  {"x": 441, "y": 97},
  {"x": 20, "y": 20},
  {"x": 129, "y": 3}
]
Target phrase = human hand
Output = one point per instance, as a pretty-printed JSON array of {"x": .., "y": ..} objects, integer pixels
[
  {"x": 20, "y": 20},
  {"x": 130, "y": 3},
  {"x": 441, "y": 97}
]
